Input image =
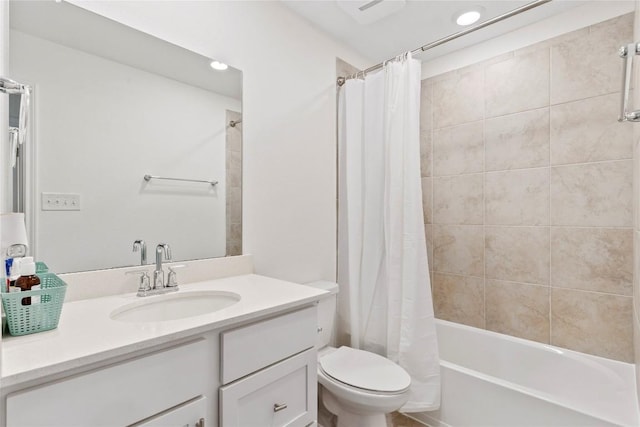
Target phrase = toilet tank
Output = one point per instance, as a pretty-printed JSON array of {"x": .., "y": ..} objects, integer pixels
[{"x": 326, "y": 312}]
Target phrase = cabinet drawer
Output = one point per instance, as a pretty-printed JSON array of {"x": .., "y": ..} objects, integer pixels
[
  {"x": 186, "y": 415},
  {"x": 117, "y": 395},
  {"x": 249, "y": 348},
  {"x": 284, "y": 394}
]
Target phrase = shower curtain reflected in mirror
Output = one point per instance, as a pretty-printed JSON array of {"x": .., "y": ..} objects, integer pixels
[
  {"x": 19, "y": 110},
  {"x": 385, "y": 303}
]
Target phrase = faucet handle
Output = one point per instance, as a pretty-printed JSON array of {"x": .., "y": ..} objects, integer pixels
[
  {"x": 145, "y": 280},
  {"x": 172, "y": 278}
]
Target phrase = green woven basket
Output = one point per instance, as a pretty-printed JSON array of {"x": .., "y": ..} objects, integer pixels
[{"x": 37, "y": 317}]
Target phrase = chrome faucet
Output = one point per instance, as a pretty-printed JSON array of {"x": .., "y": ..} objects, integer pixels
[
  {"x": 158, "y": 274},
  {"x": 140, "y": 244}
]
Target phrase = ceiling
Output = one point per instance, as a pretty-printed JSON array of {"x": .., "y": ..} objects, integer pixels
[
  {"x": 418, "y": 23},
  {"x": 80, "y": 29}
]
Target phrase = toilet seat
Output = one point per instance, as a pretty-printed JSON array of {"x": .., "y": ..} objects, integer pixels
[{"x": 365, "y": 371}]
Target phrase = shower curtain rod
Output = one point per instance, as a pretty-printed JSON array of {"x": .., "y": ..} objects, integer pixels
[
  {"x": 12, "y": 87},
  {"x": 514, "y": 12}
]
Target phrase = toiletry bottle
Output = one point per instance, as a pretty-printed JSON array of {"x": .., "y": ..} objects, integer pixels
[
  {"x": 28, "y": 281},
  {"x": 8, "y": 263},
  {"x": 14, "y": 273}
]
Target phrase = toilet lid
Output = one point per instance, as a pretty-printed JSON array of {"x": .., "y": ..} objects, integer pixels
[{"x": 365, "y": 370}]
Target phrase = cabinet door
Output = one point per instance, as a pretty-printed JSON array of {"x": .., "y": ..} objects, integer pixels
[
  {"x": 250, "y": 348},
  {"x": 117, "y": 395},
  {"x": 284, "y": 394},
  {"x": 186, "y": 415}
]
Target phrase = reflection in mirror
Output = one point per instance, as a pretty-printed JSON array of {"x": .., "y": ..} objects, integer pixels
[
  {"x": 110, "y": 105},
  {"x": 17, "y": 161}
]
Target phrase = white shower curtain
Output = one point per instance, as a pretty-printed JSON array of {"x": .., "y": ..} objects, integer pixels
[{"x": 385, "y": 301}]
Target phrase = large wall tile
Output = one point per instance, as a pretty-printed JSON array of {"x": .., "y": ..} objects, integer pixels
[
  {"x": 458, "y": 149},
  {"x": 589, "y": 66},
  {"x": 593, "y": 323},
  {"x": 597, "y": 194},
  {"x": 426, "y": 151},
  {"x": 458, "y": 249},
  {"x": 428, "y": 236},
  {"x": 459, "y": 299},
  {"x": 553, "y": 41},
  {"x": 636, "y": 179},
  {"x": 636, "y": 271},
  {"x": 458, "y": 99},
  {"x": 517, "y": 197},
  {"x": 234, "y": 239},
  {"x": 525, "y": 150},
  {"x": 234, "y": 168},
  {"x": 593, "y": 259},
  {"x": 518, "y": 254},
  {"x": 234, "y": 205},
  {"x": 426, "y": 114},
  {"x": 517, "y": 141},
  {"x": 588, "y": 130},
  {"x": 458, "y": 199},
  {"x": 517, "y": 309},
  {"x": 636, "y": 351},
  {"x": 517, "y": 84},
  {"x": 427, "y": 200}
]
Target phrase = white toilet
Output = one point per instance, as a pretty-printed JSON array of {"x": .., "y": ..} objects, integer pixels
[{"x": 359, "y": 387}]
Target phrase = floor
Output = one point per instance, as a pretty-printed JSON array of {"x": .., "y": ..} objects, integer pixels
[{"x": 396, "y": 419}]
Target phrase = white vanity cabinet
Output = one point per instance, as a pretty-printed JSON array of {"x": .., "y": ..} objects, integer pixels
[
  {"x": 126, "y": 393},
  {"x": 256, "y": 374},
  {"x": 269, "y": 372},
  {"x": 189, "y": 414}
]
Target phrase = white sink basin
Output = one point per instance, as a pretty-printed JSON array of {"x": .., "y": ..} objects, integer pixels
[{"x": 174, "y": 306}]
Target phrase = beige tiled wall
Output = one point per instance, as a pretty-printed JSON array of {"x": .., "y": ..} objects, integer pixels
[
  {"x": 234, "y": 184},
  {"x": 636, "y": 215},
  {"x": 527, "y": 181}
]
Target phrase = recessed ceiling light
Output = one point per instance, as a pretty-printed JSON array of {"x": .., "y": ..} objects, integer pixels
[
  {"x": 217, "y": 65},
  {"x": 467, "y": 18}
]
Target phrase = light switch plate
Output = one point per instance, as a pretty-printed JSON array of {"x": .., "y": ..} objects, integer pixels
[{"x": 60, "y": 202}]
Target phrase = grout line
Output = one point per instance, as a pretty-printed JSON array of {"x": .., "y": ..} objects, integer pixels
[
  {"x": 589, "y": 227},
  {"x": 589, "y": 291},
  {"x": 586, "y": 98},
  {"x": 562, "y": 165},
  {"x": 445, "y": 273},
  {"x": 484, "y": 193},
  {"x": 549, "y": 169},
  {"x": 549, "y": 106},
  {"x": 540, "y": 285},
  {"x": 549, "y": 194},
  {"x": 433, "y": 194},
  {"x": 595, "y": 162}
]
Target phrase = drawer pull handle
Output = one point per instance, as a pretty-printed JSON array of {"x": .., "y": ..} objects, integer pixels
[
  {"x": 279, "y": 407},
  {"x": 200, "y": 423}
]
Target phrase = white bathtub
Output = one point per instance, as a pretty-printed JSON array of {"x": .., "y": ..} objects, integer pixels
[{"x": 490, "y": 379}]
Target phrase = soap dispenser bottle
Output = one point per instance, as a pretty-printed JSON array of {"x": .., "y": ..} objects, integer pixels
[{"x": 28, "y": 281}]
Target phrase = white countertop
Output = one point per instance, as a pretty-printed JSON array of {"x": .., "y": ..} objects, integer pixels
[{"x": 86, "y": 334}]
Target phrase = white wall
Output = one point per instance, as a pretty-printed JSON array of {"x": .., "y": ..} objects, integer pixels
[
  {"x": 100, "y": 126},
  {"x": 571, "y": 20},
  {"x": 636, "y": 211},
  {"x": 289, "y": 182},
  {"x": 4, "y": 119},
  {"x": 5, "y": 172}
]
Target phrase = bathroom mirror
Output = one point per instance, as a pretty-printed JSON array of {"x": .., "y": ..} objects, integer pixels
[{"x": 112, "y": 105}]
